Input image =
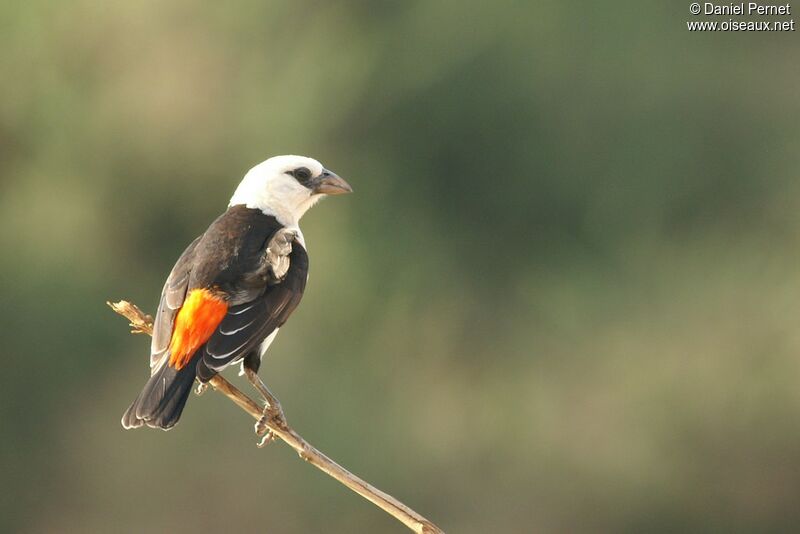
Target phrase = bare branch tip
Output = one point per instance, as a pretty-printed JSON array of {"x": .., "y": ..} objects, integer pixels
[{"x": 140, "y": 322}]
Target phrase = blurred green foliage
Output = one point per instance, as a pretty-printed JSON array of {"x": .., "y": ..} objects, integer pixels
[{"x": 564, "y": 298}]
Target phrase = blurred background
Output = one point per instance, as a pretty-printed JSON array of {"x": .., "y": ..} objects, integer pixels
[{"x": 564, "y": 298}]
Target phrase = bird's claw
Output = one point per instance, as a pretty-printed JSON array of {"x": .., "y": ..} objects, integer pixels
[
  {"x": 268, "y": 437},
  {"x": 200, "y": 389},
  {"x": 272, "y": 415}
]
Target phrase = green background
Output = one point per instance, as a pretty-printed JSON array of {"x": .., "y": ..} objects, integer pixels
[{"x": 565, "y": 296}]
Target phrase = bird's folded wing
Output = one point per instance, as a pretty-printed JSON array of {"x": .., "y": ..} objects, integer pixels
[
  {"x": 246, "y": 325},
  {"x": 172, "y": 297}
]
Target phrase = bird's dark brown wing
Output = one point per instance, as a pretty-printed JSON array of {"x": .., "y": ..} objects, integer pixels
[
  {"x": 247, "y": 325},
  {"x": 242, "y": 256},
  {"x": 172, "y": 297}
]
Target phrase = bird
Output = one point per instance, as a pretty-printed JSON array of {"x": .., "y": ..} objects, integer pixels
[{"x": 233, "y": 287}]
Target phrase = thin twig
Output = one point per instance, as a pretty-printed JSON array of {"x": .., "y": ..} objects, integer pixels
[{"x": 141, "y": 323}]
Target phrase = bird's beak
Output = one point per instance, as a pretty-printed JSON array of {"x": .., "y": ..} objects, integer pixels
[{"x": 328, "y": 183}]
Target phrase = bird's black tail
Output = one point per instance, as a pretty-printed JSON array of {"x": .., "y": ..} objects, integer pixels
[{"x": 161, "y": 402}]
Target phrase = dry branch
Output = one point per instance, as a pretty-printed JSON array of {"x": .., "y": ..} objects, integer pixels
[{"x": 141, "y": 323}]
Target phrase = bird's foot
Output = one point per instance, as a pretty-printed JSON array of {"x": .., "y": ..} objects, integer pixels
[
  {"x": 268, "y": 437},
  {"x": 272, "y": 416},
  {"x": 200, "y": 389}
]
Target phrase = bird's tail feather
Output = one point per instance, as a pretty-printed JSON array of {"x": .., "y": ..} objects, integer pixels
[{"x": 161, "y": 402}]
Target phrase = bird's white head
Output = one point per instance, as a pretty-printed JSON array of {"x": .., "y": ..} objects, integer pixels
[{"x": 287, "y": 186}]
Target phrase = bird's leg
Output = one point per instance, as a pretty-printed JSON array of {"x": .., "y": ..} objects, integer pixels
[{"x": 273, "y": 412}]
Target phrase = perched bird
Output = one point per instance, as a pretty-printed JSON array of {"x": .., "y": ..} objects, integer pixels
[{"x": 233, "y": 287}]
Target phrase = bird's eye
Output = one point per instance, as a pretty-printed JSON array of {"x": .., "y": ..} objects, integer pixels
[{"x": 302, "y": 174}]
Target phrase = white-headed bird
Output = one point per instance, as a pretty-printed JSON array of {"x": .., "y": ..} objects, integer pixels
[{"x": 233, "y": 287}]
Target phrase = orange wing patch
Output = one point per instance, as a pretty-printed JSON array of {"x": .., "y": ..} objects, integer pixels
[{"x": 199, "y": 317}]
